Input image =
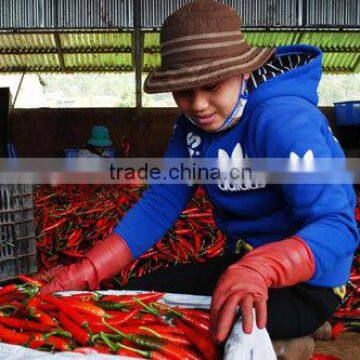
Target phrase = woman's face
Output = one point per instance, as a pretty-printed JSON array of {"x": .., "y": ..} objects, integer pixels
[{"x": 210, "y": 105}]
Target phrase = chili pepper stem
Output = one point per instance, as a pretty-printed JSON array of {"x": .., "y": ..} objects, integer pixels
[
  {"x": 108, "y": 342},
  {"x": 150, "y": 330},
  {"x": 170, "y": 310},
  {"x": 113, "y": 329},
  {"x": 147, "y": 307}
]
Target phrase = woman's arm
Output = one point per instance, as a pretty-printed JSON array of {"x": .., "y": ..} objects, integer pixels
[{"x": 140, "y": 228}]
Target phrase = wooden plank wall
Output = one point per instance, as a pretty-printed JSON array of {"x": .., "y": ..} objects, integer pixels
[{"x": 47, "y": 132}]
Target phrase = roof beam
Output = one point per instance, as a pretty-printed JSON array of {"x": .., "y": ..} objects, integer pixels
[
  {"x": 64, "y": 51},
  {"x": 59, "y": 50}
]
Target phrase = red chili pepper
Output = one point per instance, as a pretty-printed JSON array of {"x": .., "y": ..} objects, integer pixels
[
  {"x": 195, "y": 312},
  {"x": 337, "y": 329},
  {"x": 85, "y": 307},
  {"x": 318, "y": 356},
  {"x": 197, "y": 243},
  {"x": 9, "y": 289},
  {"x": 172, "y": 338},
  {"x": 13, "y": 337},
  {"x": 54, "y": 226},
  {"x": 197, "y": 215},
  {"x": 128, "y": 300},
  {"x": 70, "y": 209},
  {"x": 33, "y": 308},
  {"x": 62, "y": 306},
  {"x": 23, "y": 324},
  {"x": 347, "y": 313},
  {"x": 195, "y": 321},
  {"x": 190, "y": 210},
  {"x": 74, "y": 238},
  {"x": 79, "y": 334},
  {"x": 87, "y": 297},
  {"x": 119, "y": 319},
  {"x": 202, "y": 343},
  {"x": 30, "y": 280},
  {"x": 72, "y": 254}
]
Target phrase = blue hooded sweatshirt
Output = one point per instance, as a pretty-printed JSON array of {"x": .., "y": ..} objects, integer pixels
[{"x": 280, "y": 118}]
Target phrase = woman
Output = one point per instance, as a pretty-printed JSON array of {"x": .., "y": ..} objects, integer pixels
[
  {"x": 98, "y": 144},
  {"x": 237, "y": 99}
]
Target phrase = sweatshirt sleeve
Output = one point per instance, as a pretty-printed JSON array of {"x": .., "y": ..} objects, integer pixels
[
  {"x": 323, "y": 214},
  {"x": 159, "y": 207}
]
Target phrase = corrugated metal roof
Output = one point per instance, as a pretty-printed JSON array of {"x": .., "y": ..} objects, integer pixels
[
  {"x": 111, "y": 50},
  {"x": 337, "y": 12},
  {"x": 66, "y": 14},
  {"x": 119, "y": 13}
]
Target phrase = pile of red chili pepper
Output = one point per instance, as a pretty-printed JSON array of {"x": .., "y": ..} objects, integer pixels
[
  {"x": 136, "y": 325},
  {"x": 347, "y": 316},
  {"x": 71, "y": 218}
]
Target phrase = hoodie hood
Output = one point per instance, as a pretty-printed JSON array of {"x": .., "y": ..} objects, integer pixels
[{"x": 300, "y": 80}]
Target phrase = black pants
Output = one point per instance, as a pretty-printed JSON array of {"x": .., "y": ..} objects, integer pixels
[{"x": 292, "y": 312}]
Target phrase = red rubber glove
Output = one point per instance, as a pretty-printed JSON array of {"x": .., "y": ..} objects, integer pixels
[
  {"x": 246, "y": 283},
  {"x": 103, "y": 261}
]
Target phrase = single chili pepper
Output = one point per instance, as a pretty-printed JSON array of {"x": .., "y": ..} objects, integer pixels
[
  {"x": 137, "y": 353},
  {"x": 116, "y": 321},
  {"x": 196, "y": 322},
  {"x": 149, "y": 319},
  {"x": 318, "y": 356},
  {"x": 53, "y": 226},
  {"x": 58, "y": 343},
  {"x": 30, "y": 280},
  {"x": 79, "y": 334},
  {"x": 13, "y": 337},
  {"x": 214, "y": 250},
  {"x": 195, "y": 312},
  {"x": 74, "y": 238},
  {"x": 202, "y": 343},
  {"x": 87, "y": 297},
  {"x": 337, "y": 329},
  {"x": 33, "y": 308},
  {"x": 347, "y": 313},
  {"x": 62, "y": 306},
  {"x": 85, "y": 307},
  {"x": 172, "y": 338},
  {"x": 190, "y": 210},
  {"x": 70, "y": 209},
  {"x": 9, "y": 289},
  {"x": 197, "y": 243},
  {"x": 169, "y": 329},
  {"x": 130, "y": 299},
  {"x": 23, "y": 324},
  {"x": 72, "y": 254},
  {"x": 197, "y": 215},
  {"x": 91, "y": 211},
  {"x": 183, "y": 231},
  {"x": 186, "y": 244}
]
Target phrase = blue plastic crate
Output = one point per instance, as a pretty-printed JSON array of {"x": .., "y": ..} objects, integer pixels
[
  {"x": 73, "y": 153},
  {"x": 347, "y": 113}
]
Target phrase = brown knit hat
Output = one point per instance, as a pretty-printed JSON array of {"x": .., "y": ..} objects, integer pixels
[{"x": 202, "y": 43}]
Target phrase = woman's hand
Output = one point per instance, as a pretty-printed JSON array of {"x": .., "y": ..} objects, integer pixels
[
  {"x": 243, "y": 287},
  {"x": 246, "y": 283},
  {"x": 103, "y": 261}
]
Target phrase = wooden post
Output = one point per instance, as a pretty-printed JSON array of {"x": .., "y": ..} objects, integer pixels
[
  {"x": 5, "y": 108},
  {"x": 138, "y": 53}
]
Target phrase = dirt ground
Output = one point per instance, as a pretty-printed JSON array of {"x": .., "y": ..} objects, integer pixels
[{"x": 346, "y": 347}]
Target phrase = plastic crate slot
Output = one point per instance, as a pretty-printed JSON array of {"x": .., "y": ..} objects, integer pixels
[{"x": 17, "y": 231}]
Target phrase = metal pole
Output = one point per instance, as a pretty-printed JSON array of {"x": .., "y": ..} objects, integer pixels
[{"x": 138, "y": 52}]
